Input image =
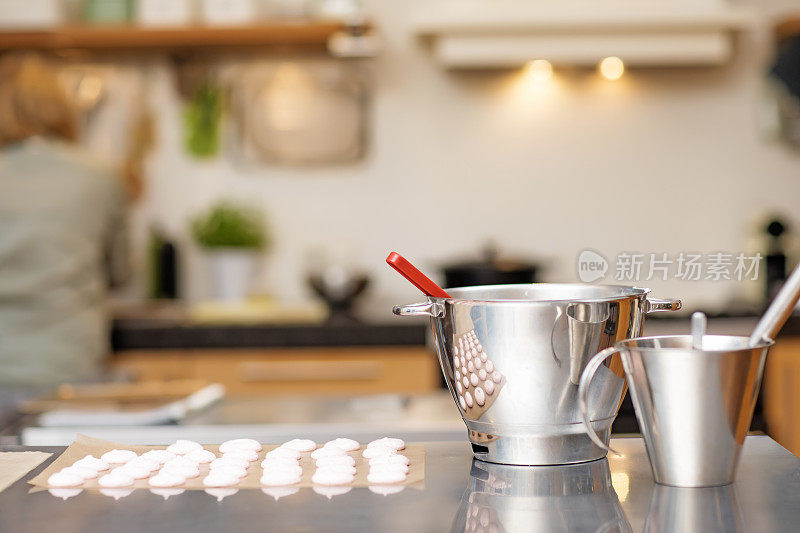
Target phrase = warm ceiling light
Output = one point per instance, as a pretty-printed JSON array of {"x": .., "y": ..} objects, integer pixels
[
  {"x": 611, "y": 68},
  {"x": 539, "y": 70}
]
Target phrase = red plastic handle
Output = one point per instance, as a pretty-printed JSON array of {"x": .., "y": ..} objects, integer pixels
[{"x": 412, "y": 274}]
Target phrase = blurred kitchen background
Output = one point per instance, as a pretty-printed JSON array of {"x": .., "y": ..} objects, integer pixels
[{"x": 275, "y": 151}]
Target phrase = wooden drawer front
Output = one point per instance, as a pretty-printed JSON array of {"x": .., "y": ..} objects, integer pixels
[
  {"x": 366, "y": 370},
  {"x": 332, "y": 370},
  {"x": 781, "y": 393},
  {"x": 155, "y": 365}
]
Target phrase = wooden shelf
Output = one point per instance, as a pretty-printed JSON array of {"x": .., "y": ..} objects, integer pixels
[{"x": 132, "y": 38}]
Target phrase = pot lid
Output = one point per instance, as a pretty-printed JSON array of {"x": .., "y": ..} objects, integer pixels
[{"x": 491, "y": 259}]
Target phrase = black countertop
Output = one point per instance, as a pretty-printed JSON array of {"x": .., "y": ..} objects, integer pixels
[
  {"x": 169, "y": 334},
  {"x": 154, "y": 334}
]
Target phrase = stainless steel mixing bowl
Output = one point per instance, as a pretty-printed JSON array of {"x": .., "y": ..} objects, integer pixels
[{"x": 512, "y": 356}]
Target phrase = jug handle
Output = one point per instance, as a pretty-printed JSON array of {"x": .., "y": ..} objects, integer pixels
[
  {"x": 657, "y": 305},
  {"x": 430, "y": 309},
  {"x": 583, "y": 393}
]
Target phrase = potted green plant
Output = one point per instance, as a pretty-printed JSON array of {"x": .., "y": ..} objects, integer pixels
[{"x": 232, "y": 237}]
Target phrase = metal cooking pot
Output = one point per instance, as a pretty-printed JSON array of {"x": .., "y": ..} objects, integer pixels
[
  {"x": 512, "y": 356},
  {"x": 490, "y": 269}
]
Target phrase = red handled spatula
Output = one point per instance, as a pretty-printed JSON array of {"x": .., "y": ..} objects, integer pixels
[{"x": 412, "y": 274}]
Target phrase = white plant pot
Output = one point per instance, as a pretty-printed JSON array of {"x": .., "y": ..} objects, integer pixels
[{"x": 231, "y": 272}]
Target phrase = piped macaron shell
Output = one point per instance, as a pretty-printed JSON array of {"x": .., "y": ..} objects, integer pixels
[
  {"x": 182, "y": 447},
  {"x": 238, "y": 471},
  {"x": 377, "y": 451},
  {"x": 247, "y": 455},
  {"x": 240, "y": 444},
  {"x": 186, "y": 470},
  {"x": 62, "y": 479},
  {"x": 336, "y": 460},
  {"x": 391, "y": 458},
  {"x": 134, "y": 471},
  {"x": 348, "y": 445},
  {"x": 288, "y": 453},
  {"x": 218, "y": 478},
  {"x": 296, "y": 469},
  {"x": 229, "y": 461},
  {"x": 278, "y": 461},
  {"x": 116, "y": 479},
  {"x": 144, "y": 462},
  {"x": 329, "y": 476},
  {"x": 327, "y": 451},
  {"x": 300, "y": 445},
  {"x": 83, "y": 471},
  {"x": 385, "y": 476},
  {"x": 393, "y": 467},
  {"x": 279, "y": 478},
  {"x": 159, "y": 456},
  {"x": 388, "y": 442},
  {"x": 92, "y": 462},
  {"x": 118, "y": 456},
  {"x": 166, "y": 479},
  {"x": 201, "y": 456}
]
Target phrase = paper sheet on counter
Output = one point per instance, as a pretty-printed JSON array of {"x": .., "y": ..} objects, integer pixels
[
  {"x": 84, "y": 446},
  {"x": 14, "y": 465}
]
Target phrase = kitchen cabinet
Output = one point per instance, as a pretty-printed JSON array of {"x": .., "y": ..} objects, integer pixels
[
  {"x": 781, "y": 393},
  {"x": 308, "y": 370}
]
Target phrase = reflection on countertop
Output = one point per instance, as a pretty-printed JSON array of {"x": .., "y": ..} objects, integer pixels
[
  {"x": 576, "y": 497},
  {"x": 618, "y": 494},
  {"x": 458, "y": 494}
]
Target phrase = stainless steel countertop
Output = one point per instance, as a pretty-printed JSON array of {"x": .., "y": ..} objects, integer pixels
[{"x": 460, "y": 494}]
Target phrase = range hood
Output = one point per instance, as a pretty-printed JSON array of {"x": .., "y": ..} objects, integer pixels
[{"x": 510, "y": 33}]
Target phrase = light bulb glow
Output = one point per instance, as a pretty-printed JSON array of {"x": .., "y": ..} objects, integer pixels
[
  {"x": 611, "y": 68},
  {"x": 539, "y": 70}
]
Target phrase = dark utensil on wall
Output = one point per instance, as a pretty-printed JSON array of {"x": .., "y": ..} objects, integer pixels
[
  {"x": 163, "y": 267},
  {"x": 490, "y": 269}
]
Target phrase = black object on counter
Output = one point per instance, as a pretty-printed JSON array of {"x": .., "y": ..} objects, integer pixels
[
  {"x": 491, "y": 269},
  {"x": 775, "y": 259},
  {"x": 339, "y": 289},
  {"x": 163, "y": 267},
  {"x": 786, "y": 67}
]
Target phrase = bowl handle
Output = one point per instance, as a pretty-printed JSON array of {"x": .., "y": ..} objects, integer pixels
[
  {"x": 430, "y": 309},
  {"x": 656, "y": 305},
  {"x": 583, "y": 393}
]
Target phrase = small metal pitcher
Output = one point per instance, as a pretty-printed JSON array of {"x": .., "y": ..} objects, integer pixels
[{"x": 694, "y": 406}]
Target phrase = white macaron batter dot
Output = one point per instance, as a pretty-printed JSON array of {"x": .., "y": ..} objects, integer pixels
[
  {"x": 300, "y": 445},
  {"x": 118, "y": 456},
  {"x": 240, "y": 444},
  {"x": 182, "y": 447},
  {"x": 64, "y": 479}
]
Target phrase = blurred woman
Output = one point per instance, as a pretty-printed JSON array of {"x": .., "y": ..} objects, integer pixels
[{"x": 61, "y": 236}]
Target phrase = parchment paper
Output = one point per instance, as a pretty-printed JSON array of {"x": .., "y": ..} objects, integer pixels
[
  {"x": 84, "y": 446},
  {"x": 14, "y": 465}
]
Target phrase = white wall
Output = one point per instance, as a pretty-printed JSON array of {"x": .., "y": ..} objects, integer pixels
[{"x": 662, "y": 160}]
